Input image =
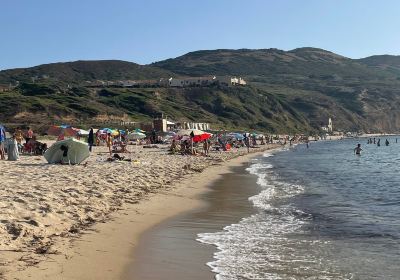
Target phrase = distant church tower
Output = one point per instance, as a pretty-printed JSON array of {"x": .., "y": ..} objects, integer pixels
[{"x": 330, "y": 125}]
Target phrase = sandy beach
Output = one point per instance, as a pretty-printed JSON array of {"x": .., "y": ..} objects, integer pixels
[{"x": 82, "y": 222}]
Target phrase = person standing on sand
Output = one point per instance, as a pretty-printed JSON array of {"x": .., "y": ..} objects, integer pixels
[
  {"x": 357, "y": 150},
  {"x": 247, "y": 141},
  {"x": 109, "y": 143},
  {"x": 205, "y": 147},
  {"x": 91, "y": 139},
  {"x": 2, "y": 140}
]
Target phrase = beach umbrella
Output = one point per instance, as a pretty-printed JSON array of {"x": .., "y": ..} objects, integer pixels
[
  {"x": 202, "y": 137},
  {"x": 57, "y": 130},
  {"x": 78, "y": 151},
  {"x": 187, "y": 132},
  {"x": 83, "y": 132},
  {"x": 139, "y": 130},
  {"x": 171, "y": 134},
  {"x": 236, "y": 135},
  {"x": 136, "y": 135},
  {"x": 54, "y": 130}
]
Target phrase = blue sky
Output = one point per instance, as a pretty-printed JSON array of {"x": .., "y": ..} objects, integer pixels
[{"x": 34, "y": 32}]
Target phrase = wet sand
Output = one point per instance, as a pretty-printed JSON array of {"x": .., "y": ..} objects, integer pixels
[{"x": 170, "y": 250}]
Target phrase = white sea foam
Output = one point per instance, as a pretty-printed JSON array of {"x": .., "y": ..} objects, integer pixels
[{"x": 261, "y": 246}]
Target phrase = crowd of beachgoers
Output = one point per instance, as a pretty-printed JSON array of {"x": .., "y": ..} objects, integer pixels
[
  {"x": 184, "y": 141},
  {"x": 45, "y": 205}
]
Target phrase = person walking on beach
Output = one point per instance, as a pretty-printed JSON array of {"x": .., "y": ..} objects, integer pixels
[
  {"x": 357, "y": 150},
  {"x": 91, "y": 139}
]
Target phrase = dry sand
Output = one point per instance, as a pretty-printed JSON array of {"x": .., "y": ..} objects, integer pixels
[{"x": 82, "y": 222}]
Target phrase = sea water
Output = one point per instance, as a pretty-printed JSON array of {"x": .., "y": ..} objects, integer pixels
[{"x": 322, "y": 213}]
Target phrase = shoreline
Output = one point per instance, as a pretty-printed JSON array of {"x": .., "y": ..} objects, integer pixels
[
  {"x": 171, "y": 249},
  {"x": 106, "y": 250}
]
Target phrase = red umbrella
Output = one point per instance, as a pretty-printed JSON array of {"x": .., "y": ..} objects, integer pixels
[{"x": 202, "y": 137}]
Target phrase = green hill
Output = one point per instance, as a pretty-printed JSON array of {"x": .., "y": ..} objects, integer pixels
[
  {"x": 242, "y": 107},
  {"x": 78, "y": 72},
  {"x": 319, "y": 84},
  {"x": 289, "y": 91}
]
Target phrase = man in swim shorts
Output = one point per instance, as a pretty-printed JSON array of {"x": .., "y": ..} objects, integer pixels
[{"x": 357, "y": 150}]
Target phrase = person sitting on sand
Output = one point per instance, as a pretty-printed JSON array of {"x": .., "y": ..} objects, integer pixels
[
  {"x": 28, "y": 135},
  {"x": 174, "y": 147},
  {"x": 64, "y": 158},
  {"x": 357, "y": 150},
  {"x": 30, "y": 145},
  {"x": 183, "y": 147},
  {"x": 19, "y": 136}
]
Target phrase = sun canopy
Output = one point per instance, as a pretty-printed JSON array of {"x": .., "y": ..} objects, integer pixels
[{"x": 78, "y": 151}]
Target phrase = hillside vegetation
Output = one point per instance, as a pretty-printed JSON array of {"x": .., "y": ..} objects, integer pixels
[{"x": 289, "y": 91}]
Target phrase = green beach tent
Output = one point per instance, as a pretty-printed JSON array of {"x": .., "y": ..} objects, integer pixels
[{"x": 70, "y": 151}]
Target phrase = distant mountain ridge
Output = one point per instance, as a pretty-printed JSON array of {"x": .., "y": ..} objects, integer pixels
[
  {"x": 310, "y": 85},
  {"x": 79, "y": 71}
]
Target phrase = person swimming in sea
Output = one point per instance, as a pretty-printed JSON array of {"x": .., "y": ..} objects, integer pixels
[{"x": 357, "y": 150}]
